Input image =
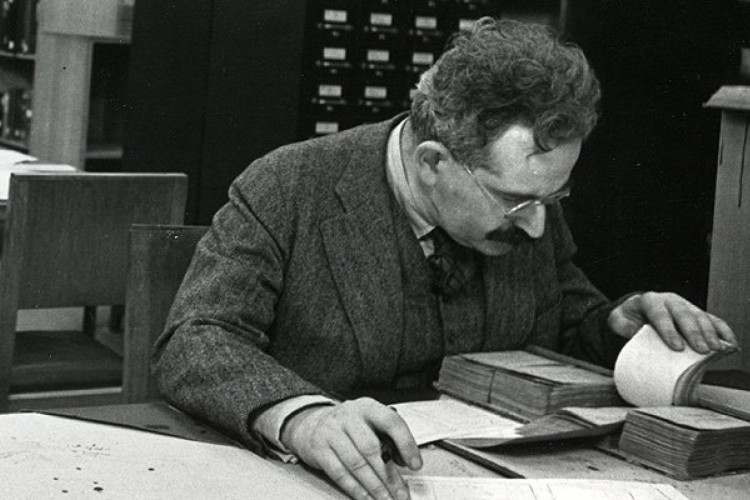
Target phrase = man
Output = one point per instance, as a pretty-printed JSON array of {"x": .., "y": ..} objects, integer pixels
[{"x": 353, "y": 263}]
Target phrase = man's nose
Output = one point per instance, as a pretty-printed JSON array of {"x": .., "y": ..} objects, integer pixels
[{"x": 531, "y": 220}]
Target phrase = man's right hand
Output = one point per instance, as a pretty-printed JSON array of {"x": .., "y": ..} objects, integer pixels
[{"x": 342, "y": 440}]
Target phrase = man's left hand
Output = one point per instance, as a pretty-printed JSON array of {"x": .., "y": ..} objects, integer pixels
[{"x": 675, "y": 319}]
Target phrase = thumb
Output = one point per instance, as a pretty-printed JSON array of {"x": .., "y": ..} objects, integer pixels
[{"x": 626, "y": 319}]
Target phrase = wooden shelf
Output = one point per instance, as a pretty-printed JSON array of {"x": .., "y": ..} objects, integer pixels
[
  {"x": 16, "y": 55},
  {"x": 104, "y": 20},
  {"x": 104, "y": 152},
  {"x": 67, "y": 33},
  {"x": 22, "y": 146}
]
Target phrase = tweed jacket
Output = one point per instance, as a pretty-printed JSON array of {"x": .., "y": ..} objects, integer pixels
[{"x": 296, "y": 288}]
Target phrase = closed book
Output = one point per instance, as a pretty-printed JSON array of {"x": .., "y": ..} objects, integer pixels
[
  {"x": 526, "y": 384},
  {"x": 686, "y": 442}
]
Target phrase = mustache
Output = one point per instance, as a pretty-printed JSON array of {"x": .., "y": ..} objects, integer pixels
[{"x": 512, "y": 236}]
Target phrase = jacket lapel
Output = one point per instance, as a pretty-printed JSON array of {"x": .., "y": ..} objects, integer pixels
[
  {"x": 362, "y": 253},
  {"x": 507, "y": 282}
]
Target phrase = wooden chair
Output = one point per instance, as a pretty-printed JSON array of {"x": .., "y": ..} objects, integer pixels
[
  {"x": 159, "y": 257},
  {"x": 66, "y": 246}
]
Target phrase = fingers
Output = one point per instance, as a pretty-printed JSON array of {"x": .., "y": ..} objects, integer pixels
[
  {"x": 358, "y": 470},
  {"x": 346, "y": 442},
  {"x": 677, "y": 321},
  {"x": 364, "y": 457},
  {"x": 626, "y": 319},
  {"x": 723, "y": 330},
  {"x": 393, "y": 426}
]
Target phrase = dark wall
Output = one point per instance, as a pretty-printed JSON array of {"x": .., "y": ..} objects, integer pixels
[
  {"x": 214, "y": 84},
  {"x": 642, "y": 209}
]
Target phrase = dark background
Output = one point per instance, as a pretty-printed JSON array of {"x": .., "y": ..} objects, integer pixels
[
  {"x": 215, "y": 84},
  {"x": 643, "y": 205}
]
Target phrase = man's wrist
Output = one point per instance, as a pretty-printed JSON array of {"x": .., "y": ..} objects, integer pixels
[
  {"x": 267, "y": 425},
  {"x": 297, "y": 423}
]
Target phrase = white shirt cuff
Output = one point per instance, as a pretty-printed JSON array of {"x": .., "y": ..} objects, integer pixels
[{"x": 269, "y": 423}]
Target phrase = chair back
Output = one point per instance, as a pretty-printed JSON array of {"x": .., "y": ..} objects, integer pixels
[
  {"x": 159, "y": 258},
  {"x": 65, "y": 241}
]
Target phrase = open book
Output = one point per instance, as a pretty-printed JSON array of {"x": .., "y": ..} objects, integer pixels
[
  {"x": 540, "y": 395},
  {"x": 649, "y": 373},
  {"x": 682, "y": 428},
  {"x": 471, "y": 425}
]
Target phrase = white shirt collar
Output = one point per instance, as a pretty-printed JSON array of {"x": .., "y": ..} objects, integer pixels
[{"x": 396, "y": 175}]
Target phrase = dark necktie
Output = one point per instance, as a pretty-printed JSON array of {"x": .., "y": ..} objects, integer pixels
[{"x": 449, "y": 275}]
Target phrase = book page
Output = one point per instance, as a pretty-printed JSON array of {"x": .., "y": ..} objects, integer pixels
[
  {"x": 735, "y": 402},
  {"x": 605, "y": 415},
  {"x": 537, "y": 366},
  {"x": 451, "y": 488},
  {"x": 509, "y": 359},
  {"x": 565, "y": 423},
  {"x": 563, "y": 374},
  {"x": 447, "y": 418},
  {"x": 647, "y": 371},
  {"x": 695, "y": 418}
]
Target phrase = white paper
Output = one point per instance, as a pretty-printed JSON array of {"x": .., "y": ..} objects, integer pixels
[
  {"x": 43, "y": 456},
  {"x": 604, "y": 415},
  {"x": 10, "y": 157},
  {"x": 647, "y": 370},
  {"x": 452, "y": 488},
  {"x": 538, "y": 366},
  {"x": 696, "y": 418},
  {"x": 6, "y": 170},
  {"x": 450, "y": 419}
]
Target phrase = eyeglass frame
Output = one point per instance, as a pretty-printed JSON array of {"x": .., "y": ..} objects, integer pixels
[{"x": 551, "y": 198}]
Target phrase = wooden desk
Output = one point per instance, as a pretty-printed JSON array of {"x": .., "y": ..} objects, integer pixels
[{"x": 564, "y": 460}]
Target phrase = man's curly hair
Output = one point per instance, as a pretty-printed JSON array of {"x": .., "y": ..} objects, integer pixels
[{"x": 501, "y": 73}]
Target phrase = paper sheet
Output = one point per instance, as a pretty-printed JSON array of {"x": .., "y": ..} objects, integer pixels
[
  {"x": 696, "y": 418},
  {"x": 537, "y": 366},
  {"x": 43, "y": 456},
  {"x": 647, "y": 370},
  {"x": 450, "y": 419},
  {"x": 6, "y": 170},
  {"x": 451, "y": 488},
  {"x": 9, "y": 158}
]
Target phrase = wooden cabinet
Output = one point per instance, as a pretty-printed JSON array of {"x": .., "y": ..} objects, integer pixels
[
  {"x": 17, "y": 45},
  {"x": 213, "y": 84},
  {"x": 729, "y": 283},
  {"x": 71, "y": 34},
  {"x": 216, "y": 84}
]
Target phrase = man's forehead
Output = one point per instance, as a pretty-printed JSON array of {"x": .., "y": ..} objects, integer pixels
[{"x": 520, "y": 167}]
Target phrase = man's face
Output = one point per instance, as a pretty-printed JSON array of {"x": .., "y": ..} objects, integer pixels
[{"x": 472, "y": 209}]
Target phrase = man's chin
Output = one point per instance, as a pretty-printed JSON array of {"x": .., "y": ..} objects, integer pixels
[{"x": 493, "y": 248}]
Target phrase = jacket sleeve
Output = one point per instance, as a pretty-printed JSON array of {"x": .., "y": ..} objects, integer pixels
[
  {"x": 581, "y": 326},
  {"x": 212, "y": 358}
]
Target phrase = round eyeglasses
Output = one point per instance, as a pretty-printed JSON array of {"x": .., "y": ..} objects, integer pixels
[{"x": 551, "y": 198}]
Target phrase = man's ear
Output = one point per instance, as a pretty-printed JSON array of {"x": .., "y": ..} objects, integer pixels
[{"x": 431, "y": 157}]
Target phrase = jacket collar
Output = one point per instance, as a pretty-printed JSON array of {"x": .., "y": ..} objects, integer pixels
[{"x": 362, "y": 252}]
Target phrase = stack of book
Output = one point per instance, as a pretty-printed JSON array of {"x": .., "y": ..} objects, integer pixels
[
  {"x": 670, "y": 421},
  {"x": 686, "y": 442},
  {"x": 526, "y": 384}
]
